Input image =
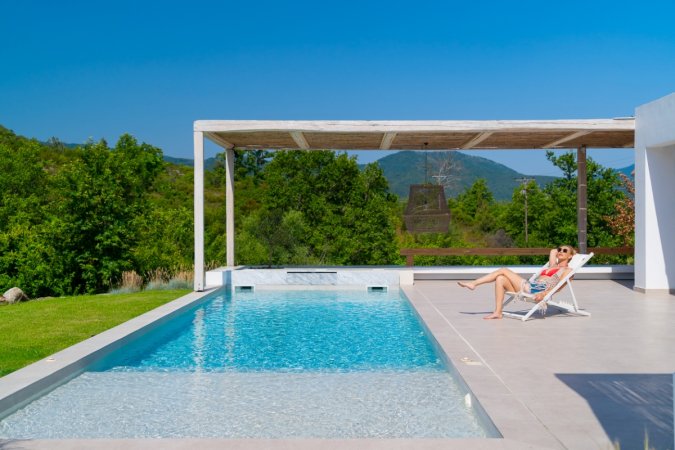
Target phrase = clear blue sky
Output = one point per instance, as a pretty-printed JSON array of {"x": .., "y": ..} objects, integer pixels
[{"x": 79, "y": 70}]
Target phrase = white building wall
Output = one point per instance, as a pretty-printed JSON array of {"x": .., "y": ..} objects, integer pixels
[{"x": 655, "y": 195}]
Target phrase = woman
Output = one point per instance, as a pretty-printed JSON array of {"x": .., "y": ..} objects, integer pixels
[{"x": 507, "y": 280}]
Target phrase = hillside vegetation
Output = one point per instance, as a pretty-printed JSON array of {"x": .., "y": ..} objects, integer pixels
[{"x": 76, "y": 219}]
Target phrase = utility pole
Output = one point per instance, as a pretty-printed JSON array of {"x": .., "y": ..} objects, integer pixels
[
  {"x": 524, "y": 182},
  {"x": 426, "y": 164},
  {"x": 440, "y": 179}
]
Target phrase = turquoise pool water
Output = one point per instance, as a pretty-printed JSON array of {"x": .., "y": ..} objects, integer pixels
[{"x": 270, "y": 364}]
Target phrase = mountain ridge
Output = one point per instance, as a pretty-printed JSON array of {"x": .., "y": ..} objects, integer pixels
[{"x": 405, "y": 168}]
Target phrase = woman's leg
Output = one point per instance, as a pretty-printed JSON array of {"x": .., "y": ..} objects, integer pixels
[
  {"x": 502, "y": 284},
  {"x": 515, "y": 279}
]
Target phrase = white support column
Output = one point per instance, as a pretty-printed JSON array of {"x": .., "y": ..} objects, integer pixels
[
  {"x": 229, "y": 205},
  {"x": 199, "y": 210},
  {"x": 654, "y": 187}
]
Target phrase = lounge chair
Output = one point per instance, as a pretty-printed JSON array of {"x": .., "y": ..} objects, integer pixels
[{"x": 566, "y": 306}]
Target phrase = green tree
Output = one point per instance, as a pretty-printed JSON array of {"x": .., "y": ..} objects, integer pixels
[
  {"x": 248, "y": 164},
  {"x": 103, "y": 192},
  {"x": 476, "y": 206},
  {"x": 553, "y": 218},
  {"x": 622, "y": 222},
  {"x": 164, "y": 239},
  {"x": 24, "y": 184},
  {"x": 25, "y": 199},
  {"x": 603, "y": 191},
  {"x": 513, "y": 218},
  {"x": 345, "y": 214},
  {"x": 273, "y": 238}
]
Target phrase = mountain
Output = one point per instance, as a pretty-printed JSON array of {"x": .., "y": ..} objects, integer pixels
[
  {"x": 461, "y": 170},
  {"x": 628, "y": 171},
  {"x": 407, "y": 167},
  {"x": 209, "y": 163}
]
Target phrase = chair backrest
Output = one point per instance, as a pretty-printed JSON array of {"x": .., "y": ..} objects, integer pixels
[
  {"x": 575, "y": 263},
  {"x": 579, "y": 260}
]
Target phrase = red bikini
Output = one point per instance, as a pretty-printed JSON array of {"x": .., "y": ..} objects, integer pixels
[{"x": 549, "y": 272}]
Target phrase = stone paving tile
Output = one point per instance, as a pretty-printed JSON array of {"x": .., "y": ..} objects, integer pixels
[{"x": 587, "y": 381}]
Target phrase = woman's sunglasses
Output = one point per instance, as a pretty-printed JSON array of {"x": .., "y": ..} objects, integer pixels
[{"x": 564, "y": 250}]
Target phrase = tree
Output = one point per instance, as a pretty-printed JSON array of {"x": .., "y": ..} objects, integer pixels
[
  {"x": 622, "y": 222},
  {"x": 345, "y": 214},
  {"x": 513, "y": 219},
  {"x": 476, "y": 206},
  {"x": 103, "y": 191},
  {"x": 273, "y": 238},
  {"x": 164, "y": 239},
  {"x": 248, "y": 164},
  {"x": 25, "y": 199},
  {"x": 554, "y": 215}
]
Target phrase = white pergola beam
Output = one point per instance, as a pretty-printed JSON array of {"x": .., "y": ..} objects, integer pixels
[
  {"x": 213, "y": 137},
  {"x": 387, "y": 140},
  {"x": 477, "y": 139},
  {"x": 299, "y": 139},
  {"x": 413, "y": 126},
  {"x": 568, "y": 138}
]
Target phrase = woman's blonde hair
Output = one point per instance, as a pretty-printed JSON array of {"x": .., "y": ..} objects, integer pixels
[{"x": 571, "y": 249}]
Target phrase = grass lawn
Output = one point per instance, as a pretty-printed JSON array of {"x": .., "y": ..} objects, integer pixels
[{"x": 33, "y": 330}]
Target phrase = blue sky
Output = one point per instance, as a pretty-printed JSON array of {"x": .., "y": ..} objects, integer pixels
[{"x": 79, "y": 70}]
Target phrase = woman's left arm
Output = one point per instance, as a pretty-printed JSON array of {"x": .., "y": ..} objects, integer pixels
[{"x": 540, "y": 296}]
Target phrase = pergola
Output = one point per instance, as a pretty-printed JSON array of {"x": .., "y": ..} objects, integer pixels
[{"x": 396, "y": 135}]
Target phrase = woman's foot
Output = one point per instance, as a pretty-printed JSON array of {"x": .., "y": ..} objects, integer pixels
[
  {"x": 467, "y": 284},
  {"x": 493, "y": 316}
]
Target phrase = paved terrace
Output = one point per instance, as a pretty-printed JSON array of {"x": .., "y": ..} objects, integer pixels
[
  {"x": 555, "y": 382},
  {"x": 564, "y": 381}
]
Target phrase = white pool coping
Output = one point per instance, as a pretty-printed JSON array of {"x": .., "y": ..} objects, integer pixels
[
  {"x": 24, "y": 385},
  {"x": 390, "y": 276}
]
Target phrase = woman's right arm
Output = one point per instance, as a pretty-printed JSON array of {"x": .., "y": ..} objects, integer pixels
[{"x": 553, "y": 257}]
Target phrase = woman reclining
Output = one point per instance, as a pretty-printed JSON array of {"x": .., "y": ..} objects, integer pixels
[{"x": 507, "y": 280}]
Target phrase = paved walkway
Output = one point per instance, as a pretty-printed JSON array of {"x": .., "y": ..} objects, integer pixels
[{"x": 564, "y": 381}]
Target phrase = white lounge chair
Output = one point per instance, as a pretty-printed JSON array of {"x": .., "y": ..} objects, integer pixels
[{"x": 571, "y": 307}]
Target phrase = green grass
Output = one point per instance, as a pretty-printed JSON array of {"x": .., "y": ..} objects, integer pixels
[{"x": 33, "y": 330}]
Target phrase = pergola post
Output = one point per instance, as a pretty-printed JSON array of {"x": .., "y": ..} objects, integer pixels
[
  {"x": 582, "y": 196},
  {"x": 199, "y": 210},
  {"x": 229, "y": 206}
]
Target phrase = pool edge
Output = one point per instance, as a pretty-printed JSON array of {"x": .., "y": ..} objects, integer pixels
[
  {"x": 506, "y": 411},
  {"x": 24, "y": 385},
  {"x": 426, "y": 317}
]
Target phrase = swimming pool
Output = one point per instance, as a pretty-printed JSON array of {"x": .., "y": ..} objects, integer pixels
[{"x": 269, "y": 364}]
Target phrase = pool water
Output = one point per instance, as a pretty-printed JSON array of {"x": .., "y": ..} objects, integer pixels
[{"x": 269, "y": 364}]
